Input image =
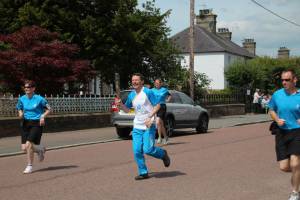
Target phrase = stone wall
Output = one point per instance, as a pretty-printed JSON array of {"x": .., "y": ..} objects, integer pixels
[
  {"x": 56, "y": 123},
  {"x": 225, "y": 109}
]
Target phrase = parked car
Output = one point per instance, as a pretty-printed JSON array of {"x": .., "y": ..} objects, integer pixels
[{"x": 182, "y": 112}]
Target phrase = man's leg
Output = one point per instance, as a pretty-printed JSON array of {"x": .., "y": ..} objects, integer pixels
[
  {"x": 295, "y": 167},
  {"x": 159, "y": 130},
  {"x": 284, "y": 165},
  {"x": 149, "y": 141},
  {"x": 137, "y": 145},
  {"x": 164, "y": 132}
]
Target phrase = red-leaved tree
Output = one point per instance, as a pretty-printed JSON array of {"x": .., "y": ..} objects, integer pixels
[{"x": 36, "y": 54}]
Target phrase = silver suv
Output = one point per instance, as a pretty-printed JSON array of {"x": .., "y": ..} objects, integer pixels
[{"x": 182, "y": 112}]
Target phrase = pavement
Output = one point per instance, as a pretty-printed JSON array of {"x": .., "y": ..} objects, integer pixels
[{"x": 10, "y": 146}]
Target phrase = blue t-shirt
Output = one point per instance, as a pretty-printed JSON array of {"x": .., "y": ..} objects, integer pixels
[
  {"x": 287, "y": 107},
  {"x": 32, "y": 107},
  {"x": 142, "y": 103},
  {"x": 161, "y": 94}
]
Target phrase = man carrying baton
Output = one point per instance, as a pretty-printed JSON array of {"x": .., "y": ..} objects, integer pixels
[{"x": 145, "y": 105}]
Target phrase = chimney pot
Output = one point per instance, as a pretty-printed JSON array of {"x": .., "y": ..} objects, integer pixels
[
  {"x": 283, "y": 52},
  {"x": 225, "y": 33},
  {"x": 250, "y": 45}
]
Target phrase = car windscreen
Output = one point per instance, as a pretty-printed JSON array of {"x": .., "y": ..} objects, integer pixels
[{"x": 186, "y": 99}]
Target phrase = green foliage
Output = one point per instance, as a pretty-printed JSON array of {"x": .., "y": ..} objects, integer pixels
[
  {"x": 261, "y": 72},
  {"x": 113, "y": 34},
  {"x": 224, "y": 91},
  {"x": 180, "y": 81},
  {"x": 4, "y": 46}
]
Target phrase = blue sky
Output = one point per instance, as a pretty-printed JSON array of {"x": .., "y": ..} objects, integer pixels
[{"x": 245, "y": 20}]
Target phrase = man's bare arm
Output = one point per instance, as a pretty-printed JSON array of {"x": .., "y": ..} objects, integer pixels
[
  {"x": 149, "y": 121},
  {"x": 120, "y": 104},
  {"x": 275, "y": 117}
]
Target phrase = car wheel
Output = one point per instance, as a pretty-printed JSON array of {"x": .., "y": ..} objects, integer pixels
[
  {"x": 123, "y": 132},
  {"x": 202, "y": 124},
  {"x": 169, "y": 124}
]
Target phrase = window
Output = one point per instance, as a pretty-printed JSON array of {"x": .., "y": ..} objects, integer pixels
[
  {"x": 175, "y": 98},
  {"x": 185, "y": 99}
]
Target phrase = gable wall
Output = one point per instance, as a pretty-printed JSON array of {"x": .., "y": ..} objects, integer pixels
[{"x": 213, "y": 65}]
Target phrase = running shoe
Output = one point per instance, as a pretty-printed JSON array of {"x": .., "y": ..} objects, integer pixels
[
  {"x": 166, "y": 140},
  {"x": 28, "y": 169},
  {"x": 141, "y": 177},
  {"x": 166, "y": 159},
  {"x": 159, "y": 140},
  {"x": 294, "y": 196}
]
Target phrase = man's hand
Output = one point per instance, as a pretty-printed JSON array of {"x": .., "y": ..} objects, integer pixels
[
  {"x": 42, "y": 120},
  {"x": 118, "y": 102},
  {"x": 280, "y": 122},
  {"x": 20, "y": 114},
  {"x": 148, "y": 122}
]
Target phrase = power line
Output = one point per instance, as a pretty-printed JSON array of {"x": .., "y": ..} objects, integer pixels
[{"x": 275, "y": 13}]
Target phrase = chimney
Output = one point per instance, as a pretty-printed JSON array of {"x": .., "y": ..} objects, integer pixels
[
  {"x": 206, "y": 19},
  {"x": 283, "y": 52},
  {"x": 250, "y": 45},
  {"x": 224, "y": 33}
]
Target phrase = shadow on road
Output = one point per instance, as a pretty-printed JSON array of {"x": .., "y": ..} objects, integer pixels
[
  {"x": 185, "y": 132},
  {"x": 166, "y": 174},
  {"x": 172, "y": 143},
  {"x": 57, "y": 168}
]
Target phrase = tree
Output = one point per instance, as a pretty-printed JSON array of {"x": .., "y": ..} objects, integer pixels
[
  {"x": 260, "y": 72},
  {"x": 37, "y": 54},
  {"x": 181, "y": 82},
  {"x": 114, "y": 34}
]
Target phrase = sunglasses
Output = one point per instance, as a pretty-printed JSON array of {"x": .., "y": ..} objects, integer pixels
[
  {"x": 286, "y": 80},
  {"x": 28, "y": 86}
]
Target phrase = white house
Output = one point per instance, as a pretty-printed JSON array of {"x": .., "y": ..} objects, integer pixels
[{"x": 213, "y": 51}]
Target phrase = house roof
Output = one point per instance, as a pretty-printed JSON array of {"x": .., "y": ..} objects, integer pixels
[{"x": 207, "y": 42}]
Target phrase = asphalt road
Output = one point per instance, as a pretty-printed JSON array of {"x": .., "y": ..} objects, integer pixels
[{"x": 226, "y": 164}]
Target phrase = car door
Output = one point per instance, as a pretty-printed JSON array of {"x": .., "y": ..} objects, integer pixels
[
  {"x": 177, "y": 109},
  {"x": 191, "y": 114}
]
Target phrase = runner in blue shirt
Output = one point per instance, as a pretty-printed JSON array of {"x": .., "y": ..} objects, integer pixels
[
  {"x": 145, "y": 105},
  {"x": 32, "y": 110},
  {"x": 164, "y": 96},
  {"x": 285, "y": 111}
]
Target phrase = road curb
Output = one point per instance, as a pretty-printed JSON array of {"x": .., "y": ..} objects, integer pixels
[
  {"x": 249, "y": 123},
  {"x": 62, "y": 147}
]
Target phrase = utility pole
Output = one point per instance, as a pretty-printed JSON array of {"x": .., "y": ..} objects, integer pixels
[
  {"x": 117, "y": 85},
  {"x": 192, "y": 17}
]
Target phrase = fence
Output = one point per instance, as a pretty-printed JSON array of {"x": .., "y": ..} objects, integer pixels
[
  {"x": 73, "y": 105},
  {"x": 213, "y": 99},
  {"x": 61, "y": 105}
]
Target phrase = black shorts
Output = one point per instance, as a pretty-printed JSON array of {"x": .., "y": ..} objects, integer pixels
[
  {"x": 287, "y": 144},
  {"x": 31, "y": 131},
  {"x": 162, "y": 111}
]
